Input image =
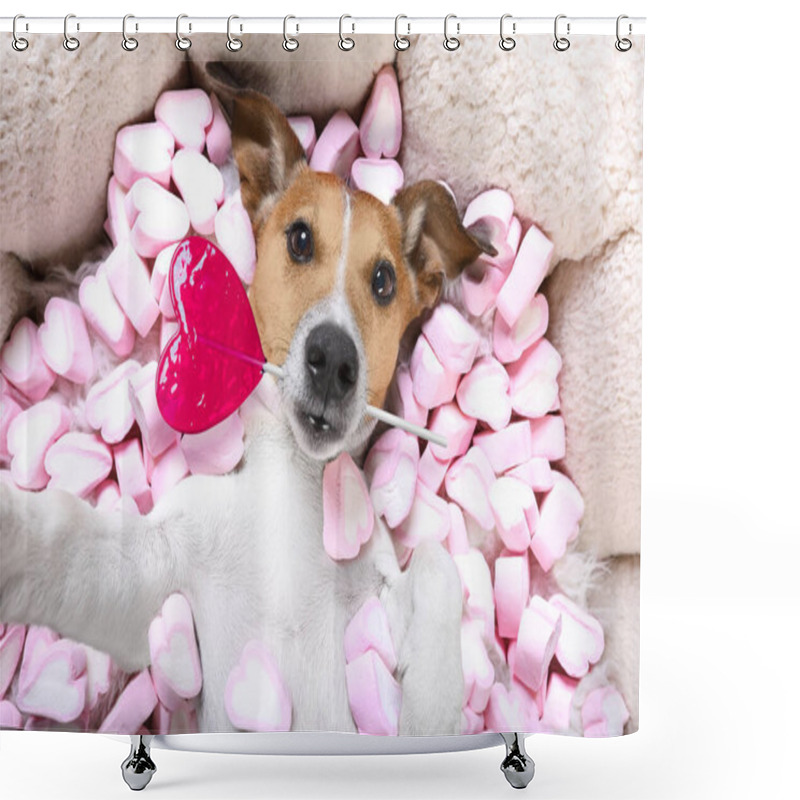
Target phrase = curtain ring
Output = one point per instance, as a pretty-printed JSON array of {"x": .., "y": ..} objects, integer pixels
[
  {"x": 128, "y": 42},
  {"x": 345, "y": 42},
  {"x": 451, "y": 42},
  {"x": 290, "y": 43},
  {"x": 233, "y": 44},
  {"x": 561, "y": 43},
  {"x": 181, "y": 42},
  {"x": 18, "y": 42},
  {"x": 623, "y": 45},
  {"x": 400, "y": 42},
  {"x": 71, "y": 43},
  {"x": 507, "y": 42}
]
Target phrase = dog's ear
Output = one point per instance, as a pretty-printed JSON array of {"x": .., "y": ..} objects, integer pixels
[
  {"x": 265, "y": 147},
  {"x": 435, "y": 243}
]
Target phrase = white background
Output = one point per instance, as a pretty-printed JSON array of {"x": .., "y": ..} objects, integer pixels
[{"x": 720, "y": 605}]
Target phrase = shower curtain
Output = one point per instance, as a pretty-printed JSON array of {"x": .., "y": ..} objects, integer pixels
[{"x": 462, "y": 233}]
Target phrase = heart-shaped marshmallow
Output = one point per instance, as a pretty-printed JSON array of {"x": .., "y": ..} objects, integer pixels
[
  {"x": 169, "y": 470},
  {"x": 401, "y": 399},
  {"x": 533, "y": 380},
  {"x": 468, "y": 482},
  {"x": 143, "y": 151},
  {"x": 483, "y": 393},
  {"x": 108, "y": 405},
  {"x": 477, "y": 667},
  {"x": 256, "y": 698},
  {"x": 536, "y": 472},
  {"x": 539, "y": 632},
  {"x": 129, "y": 280},
  {"x": 104, "y": 314},
  {"x": 10, "y": 718},
  {"x": 433, "y": 383},
  {"x": 186, "y": 113},
  {"x": 457, "y": 541},
  {"x": 581, "y": 642},
  {"x": 107, "y": 495},
  {"x": 510, "y": 342},
  {"x": 159, "y": 217},
  {"x": 30, "y": 435},
  {"x": 511, "y": 501},
  {"x": 200, "y": 185},
  {"x": 217, "y": 450},
  {"x": 548, "y": 437},
  {"x": 64, "y": 340},
  {"x": 12, "y": 639},
  {"x": 234, "y": 233},
  {"x": 480, "y": 285},
  {"x": 22, "y": 363},
  {"x": 118, "y": 226},
  {"x": 457, "y": 428},
  {"x": 381, "y": 177},
  {"x": 218, "y": 135},
  {"x": 391, "y": 472},
  {"x": 512, "y": 588},
  {"x": 9, "y": 409},
  {"x": 508, "y": 447},
  {"x": 160, "y": 273},
  {"x": 477, "y": 583},
  {"x": 136, "y": 703},
  {"x": 375, "y": 696},
  {"x": 98, "y": 675},
  {"x": 513, "y": 709},
  {"x": 558, "y": 703},
  {"x": 305, "y": 131},
  {"x": 489, "y": 215},
  {"x": 131, "y": 474},
  {"x": 454, "y": 341},
  {"x": 337, "y": 146},
  {"x": 77, "y": 463},
  {"x": 471, "y": 722},
  {"x": 369, "y": 630},
  {"x": 347, "y": 511},
  {"x": 156, "y": 433},
  {"x": 604, "y": 713},
  {"x": 381, "y": 123},
  {"x": 561, "y": 511},
  {"x": 429, "y": 518},
  {"x": 431, "y": 472}
]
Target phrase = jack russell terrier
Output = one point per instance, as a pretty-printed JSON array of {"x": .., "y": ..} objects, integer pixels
[{"x": 339, "y": 278}]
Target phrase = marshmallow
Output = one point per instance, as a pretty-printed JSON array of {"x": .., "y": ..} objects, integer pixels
[
  {"x": 476, "y": 665},
  {"x": 454, "y": 341},
  {"x": 471, "y": 722},
  {"x": 108, "y": 406},
  {"x": 200, "y": 185},
  {"x": 533, "y": 384},
  {"x": 182, "y": 719},
  {"x": 381, "y": 122},
  {"x": 30, "y": 435},
  {"x": 457, "y": 541},
  {"x": 489, "y": 215},
  {"x": 562, "y": 510},
  {"x": 483, "y": 393},
  {"x": 77, "y": 463},
  {"x": 186, "y": 113},
  {"x": 401, "y": 399},
  {"x": 118, "y": 226},
  {"x": 104, "y": 314},
  {"x": 10, "y": 718},
  {"x": 477, "y": 582},
  {"x": 480, "y": 285},
  {"x": 558, "y": 703},
  {"x": 234, "y": 233},
  {"x": 603, "y": 713},
  {"x": 98, "y": 675},
  {"x": 170, "y": 468},
  {"x": 156, "y": 433},
  {"x": 165, "y": 307},
  {"x": 64, "y": 341},
  {"x": 217, "y": 450},
  {"x": 129, "y": 280},
  {"x": 9, "y": 409},
  {"x": 174, "y": 657},
  {"x": 536, "y": 472},
  {"x": 381, "y": 177},
  {"x": 527, "y": 273},
  {"x": 12, "y": 638},
  {"x": 136, "y": 703},
  {"x": 22, "y": 364},
  {"x": 581, "y": 642},
  {"x": 513, "y": 709},
  {"x": 468, "y": 482},
  {"x": 375, "y": 696},
  {"x": 548, "y": 437},
  {"x": 131, "y": 474},
  {"x": 369, "y": 630},
  {"x": 511, "y": 501},
  {"x": 433, "y": 383},
  {"x": 159, "y": 218},
  {"x": 512, "y": 586},
  {"x": 429, "y": 518},
  {"x": 506, "y": 448},
  {"x": 431, "y": 471},
  {"x": 143, "y": 151},
  {"x": 161, "y": 267},
  {"x": 337, "y": 146},
  {"x": 256, "y": 698},
  {"x": 510, "y": 342},
  {"x": 391, "y": 471},
  {"x": 218, "y": 135},
  {"x": 348, "y": 516},
  {"x": 107, "y": 495},
  {"x": 169, "y": 327},
  {"x": 305, "y": 131},
  {"x": 449, "y": 421},
  {"x": 539, "y": 632}
]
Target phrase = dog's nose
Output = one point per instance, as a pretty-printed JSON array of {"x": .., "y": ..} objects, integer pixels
[{"x": 332, "y": 362}]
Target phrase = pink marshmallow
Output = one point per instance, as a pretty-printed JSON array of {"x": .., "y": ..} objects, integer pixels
[
  {"x": 165, "y": 307},
  {"x": 22, "y": 363},
  {"x": 429, "y": 518},
  {"x": 77, "y": 463},
  {"x": 9, "y": 409},
  {"x": 118, "y": 226},
  {"x": 507, "y": 447},
  {"x": 490, "y": 214},
  {"x": 471, "y": 722},
  {"x": 480, "y": 286},
  {"x": 183, "y": 719},
  {"x": 603, "y": 713},
  {"x": 256, "y": 697},
  {"x": 457, "y": 541},
  {"x": 218, "y": 135},
  {"x": 337, "y": 146},
  {"x": 131, "y": 474},
  {"x": 170, "y": 469},
  {"x": 381, "y": 177},
  {"x": 548, "y": 437},
  {"x": 533, "y": 384},
  {"x": 64, "y": 341},
  {"x": 305, "y": 131},
  {"x": 558, "y": 703},
  {"x": 200, "y": 185},
  {"x": 539, "y": 633},
  {"x": 129, "y": 280},
  {"x": 391, "y": 472},
  {"x": 381, "y": 122},
  {"x": 159, "y": 218},
  {"x": 186, "y": 113},
  {"x": 483, "y": 393},
  {"x": 108, "y": 406},
  {"x": 536, "y": 472},
  {"x": 234, "y": 233},
  {"x": 513, "y": 709},
  {"x": 561, "y": 511},
  {"x": 581, "y": 642},
  {"x": 401, "y": 399},
  {"x": 511, "y": 502},
  {"x": 369, "y": 630},
  {"x": 449, "y": 421},
  {"x": 104, "y": 314},
  {"x": 161, "y": 267},
  {"x": 174, "y": 657},
  {"x": 431, "y": 471},
  {"x": 510, "y": 342},
  {"x": 348, "y": 516},
  {"x": 375, "y": 696},
  {"x": 454, "y": 341},
  {"x": 527, "y": 273},
  {"x": 30, "y": 435},
  {"x": 477, "y": 582},
  {"x": 12, "y": 638},
  {"x": 476, "y": 665},
  {"x": 217, "y": 450},
  {"x": 156, "y": 433},
  {"x": 136, "y": 703},
  {"x": 98, "y": 675},
  {"x": 169, "y": 328},
  {"x": 512, "y": 588},
  {"x": 107, "y": 496},
  {"x": 143, "y": 151},
  {"x": 10, "y": 718},
  {"x": 433, "y": 383},
  {"x": 468, "y": 482}
]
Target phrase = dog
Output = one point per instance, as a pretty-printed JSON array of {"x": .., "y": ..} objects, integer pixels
[{"x": 340, "y": 277}]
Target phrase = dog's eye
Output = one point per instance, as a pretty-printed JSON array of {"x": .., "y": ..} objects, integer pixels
[
  {"x": 300, "y": 242},
  {"x": 384, "y": 283}
]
